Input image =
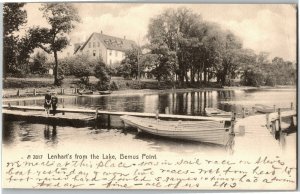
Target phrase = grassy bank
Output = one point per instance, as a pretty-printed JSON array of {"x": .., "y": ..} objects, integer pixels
[
  {"x": 72, "y": 82},
  {"x": 12, "y": 83}
]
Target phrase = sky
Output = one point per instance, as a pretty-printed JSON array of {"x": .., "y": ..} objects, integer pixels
[{"x": 262, "y": 27}]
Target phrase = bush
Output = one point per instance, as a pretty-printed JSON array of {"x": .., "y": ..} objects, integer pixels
[
  {"x": 114, "y": 86},
  {"x": 81, "y": 67},
  {"x": 270, "y": 81},
  {"x": 101, "y": 72}
]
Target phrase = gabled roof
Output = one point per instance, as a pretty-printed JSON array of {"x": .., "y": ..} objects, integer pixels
[
  {"x": 111, "y": 42},
  {"x": 77, "y": 46}
]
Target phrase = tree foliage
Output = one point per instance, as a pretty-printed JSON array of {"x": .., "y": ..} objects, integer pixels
[
  {"x": 14, "y": 16},
  {"x": 62, "y": 18},
  {"x": 81, "y": 66},
  {"x": 102, "y": 73},
  {"x": 39, "y": 64}
]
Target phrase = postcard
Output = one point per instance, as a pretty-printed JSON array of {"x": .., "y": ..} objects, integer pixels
[{"x": 149, "y": 96}]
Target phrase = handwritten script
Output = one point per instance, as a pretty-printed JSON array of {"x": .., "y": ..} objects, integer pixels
[{"x": 147, "y": 172}]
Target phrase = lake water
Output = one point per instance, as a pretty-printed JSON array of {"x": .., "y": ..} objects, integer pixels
[{"x": 18, "y": 135}]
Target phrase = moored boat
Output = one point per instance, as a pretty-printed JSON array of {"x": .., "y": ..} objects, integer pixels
[
  {"x": 85, "y": 92},
  {"x": 263, "y": 108},
  {"x": 105, "y": 92},
  {"x": 214, "y": 112},
  {"x": 260, "y": 108},
  {"x": 216, "y": 132}
]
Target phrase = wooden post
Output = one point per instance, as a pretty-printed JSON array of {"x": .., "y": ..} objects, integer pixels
[
  {"x": 96, "y": 114},
  {"x": 279, "y": 119},
  {"x": 292, "y": 106},
  {"x": 268, "y": 120},
  {"x": 253, "y": 110},
  {"x": 243, "y": 112},
  {"x": 108, "y": 121},
  {"x": 34, "y": 92},
  {"x": 233, "y": 117},
  {"x": 18, "y": 93},
  {"x": 167, "y": 110},
  {"x": 63, "y": 113},
  {"x": 62, "y": 91},
  {"x": 157, "y": 115}
]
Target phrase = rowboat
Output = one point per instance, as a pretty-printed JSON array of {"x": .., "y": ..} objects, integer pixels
[
  {"x": 216, "y": 132},
  {"x": 85, "y": 92},
  {"x": 260, "y": 108},
  {"x": 105, "y": 92},
  {"x": 263, "y": 108},
  {"x": 214, "y": 112}
]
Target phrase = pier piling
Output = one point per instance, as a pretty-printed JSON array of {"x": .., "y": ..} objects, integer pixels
[
  {"x": 233, "y": 119},
  {"x": 268, "y": 120},
  {"x": 279, "y": 119}
]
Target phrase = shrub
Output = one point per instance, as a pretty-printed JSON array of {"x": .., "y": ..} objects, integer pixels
[
  {"x": 101, "y": 72},
  {"x": 114, "y": 86}
]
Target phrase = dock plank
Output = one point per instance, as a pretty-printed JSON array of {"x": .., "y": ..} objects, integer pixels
[{"x": 92, "y": 111}]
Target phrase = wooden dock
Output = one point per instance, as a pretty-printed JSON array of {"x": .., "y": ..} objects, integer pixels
[
  {"x": 104, "y": 112},
  {"x": 254, "y": 130}
]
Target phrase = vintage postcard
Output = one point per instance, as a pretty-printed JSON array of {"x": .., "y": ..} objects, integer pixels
[{"x": 149, "y": 96}]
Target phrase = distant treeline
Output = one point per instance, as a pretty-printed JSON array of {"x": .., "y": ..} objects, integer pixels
[{"x": 185, "y": 49}]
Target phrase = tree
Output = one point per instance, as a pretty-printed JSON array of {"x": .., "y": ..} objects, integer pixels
[
  {"x": 176, "y": 30},
  {"x": 39, "y": 63},
  {"x": 101, "y": 72},
  {"x": 161, "y": 62},
  {"x": 129, "y": 65},
  {"x": 14, "y": 16},
  {"x": 82, "y": 67},
  {"x": 61, "y": 18},
  {"x": 230, "y": 55}
]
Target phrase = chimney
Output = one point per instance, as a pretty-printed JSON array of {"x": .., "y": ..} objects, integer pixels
[{"x": 124, "y": 37}]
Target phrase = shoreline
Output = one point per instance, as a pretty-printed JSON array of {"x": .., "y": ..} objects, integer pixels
[{"x": 142, "y": 92}]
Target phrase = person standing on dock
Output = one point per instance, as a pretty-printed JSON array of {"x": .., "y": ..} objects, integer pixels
[
  {"x": 47, "y": 103},
  {"x": 54, "y": 101}
]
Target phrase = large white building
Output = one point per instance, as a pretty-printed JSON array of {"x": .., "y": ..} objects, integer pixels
[{"x": 111, "y": 49}]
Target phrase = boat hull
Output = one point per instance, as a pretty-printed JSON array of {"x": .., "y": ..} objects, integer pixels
[
  {"x": 207, "y": 132},
  {"x": 213, "y": 112}
]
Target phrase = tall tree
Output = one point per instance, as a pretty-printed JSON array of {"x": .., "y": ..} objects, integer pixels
[
  {"x": 176, "y": 29},
  {"x": 61, "y": 18},
  {"x": 14, "y": 16},
  {"x": 230, "y": 57}
]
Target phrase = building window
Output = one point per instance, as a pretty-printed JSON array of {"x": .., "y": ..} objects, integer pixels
[
  {"x": 110, "y": 61},
  {"x": 94, "y": 44},
  {"x": 116, "y": 53},
  {"x": 89, "y": 45},
  {"x": 110, "y": 52},
  {"x": 98, "y": 44},
  {"x": 94, "y": 53}
]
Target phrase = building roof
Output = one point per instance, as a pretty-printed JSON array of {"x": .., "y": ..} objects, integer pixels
[{"x": 111, "y": 42}]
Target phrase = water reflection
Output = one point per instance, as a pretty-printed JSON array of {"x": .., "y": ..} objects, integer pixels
[
  {"x": 24, "y": 134},
  {"x": 184, "y": 103},
  {"x": 50, "y": 134}
]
